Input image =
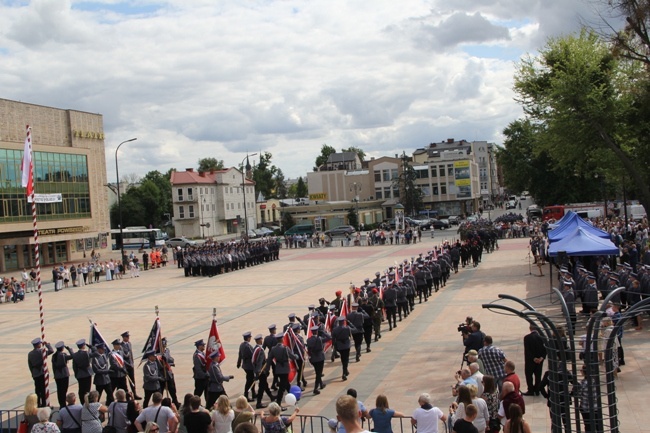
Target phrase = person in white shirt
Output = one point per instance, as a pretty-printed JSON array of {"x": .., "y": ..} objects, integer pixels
[
  {"x": 161, "y": 415},
  {"x": 427, "y": 417}
]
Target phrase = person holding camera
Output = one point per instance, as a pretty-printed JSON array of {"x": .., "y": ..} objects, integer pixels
[{"x": 474, "y": 340}]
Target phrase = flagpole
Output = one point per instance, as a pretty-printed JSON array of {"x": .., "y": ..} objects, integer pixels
[
  {"x": 163, "y": 362},
  {"x": 37, "y": 257}
]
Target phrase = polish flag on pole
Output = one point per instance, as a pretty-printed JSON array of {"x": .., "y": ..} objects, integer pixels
[{"x": 27, "y": 166}]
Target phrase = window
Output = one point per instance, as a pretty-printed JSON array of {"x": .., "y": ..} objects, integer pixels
[
  {"x": 387, "y": 191},
  {"x": 442, "y": 170},
  {"x": 450, "y": 169},
  {"x": 435, "y": 189},
  {"x": 378, "y": 194},
  {"x": 443, "y": 189},
  {"x": 423, "y": 173},
  {"x": 395, "y": 192},
  {"x": 181, "y": 211},
  {"x": 191, "y": 211},
  {"x": 393, "y": 174},
  {"x": 386, "y": 175},
  {"x": 180, "y": 194},
  {"x": 189, "y": 192},
  {"x": 434, "y": 171}
]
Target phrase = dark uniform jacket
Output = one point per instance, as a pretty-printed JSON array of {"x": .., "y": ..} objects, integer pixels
[
  {"x": 341, "y": 337},
  {"x": 60, "y": 363},
  {"x": 101, "y": 367},
  {"x": 280, "y": 354},
  {"x": 35, "y": 360},
  {"x": 81, "y": 364},
  {"x": 198, "y": 368},
  {"x": 245, "y": 359},
  {"x": 217, "y": 378},
  {"x": 315, "y": 346}
]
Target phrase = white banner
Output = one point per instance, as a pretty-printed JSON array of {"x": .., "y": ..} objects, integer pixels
[{"x": 46, "y": 198}]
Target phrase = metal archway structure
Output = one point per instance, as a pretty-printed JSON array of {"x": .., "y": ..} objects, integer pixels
[{"x": 571, "y": 401}]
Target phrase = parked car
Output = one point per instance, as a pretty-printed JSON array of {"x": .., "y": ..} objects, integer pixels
[
  {"x": 340, "y": 230},
  {"x": 438, "y": 224},
  {"x": 181, "y": 242},
  {"x": 263, "y": 231},
  {"x": 453, "y": 219}
]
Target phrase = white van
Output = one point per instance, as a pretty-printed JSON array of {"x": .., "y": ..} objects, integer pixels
[{"x": 636, "y": 212}]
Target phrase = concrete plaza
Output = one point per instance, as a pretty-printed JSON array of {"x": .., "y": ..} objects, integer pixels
[{"x": 420, "y": 355}]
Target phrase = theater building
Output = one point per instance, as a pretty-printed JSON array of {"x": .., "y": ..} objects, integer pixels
[{"x": 69, "y": 159}]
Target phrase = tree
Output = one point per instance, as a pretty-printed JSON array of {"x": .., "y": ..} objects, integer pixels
[
  {"x": 301, "y": 188},
  {"x": 359, "y": 152},
  {"x": 581, "y": 99},
  {"x": 352, "y": 218},
  {"x": 325, "y": 153},
  {"x": 410, "y": 193},
  {"x": 280, "y": 185},
  {"x": 633, "y": 42},
  {"x": 266, "y": 178},
  {"x": 163, "y": 182},
  {"x": 287, "y": 221},
  {"x": 207, "y": 164}
]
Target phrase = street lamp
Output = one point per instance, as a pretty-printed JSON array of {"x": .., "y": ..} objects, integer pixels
[
  {"x": 243, "y": 184},
  {"x": 356, "y": 187},
  {"x": 119, "y": 203}
]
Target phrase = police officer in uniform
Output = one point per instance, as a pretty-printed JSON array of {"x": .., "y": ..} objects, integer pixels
[
  {"x": 199, "y": 371},
  {"x": 61, "y": 371},
  {"x": 102, "y": 367},
  {"x": 341, "y": 337},
  {"x": 316, "y": 352},
  {"x": 245, "y": 361},
  {"x": 299, "y": 351},
  {"x": 269, "y": 342},
  {"x": 35, "y": 363},
  {"x": 215, "y": 381},
  {"x": 355, "y": 321},
  {"x": 83, "y": 370},
  {"x": 390, "y": 301},
  {"x": 118, "y": 367},
  {"x": 377, "y": 305},
  {"x": 280, "y": 355},
  {"x": 151, "y": 376},
  {"x": 261, "y": 374},
  {"x": 127, "y": 351},
  {"x": 167, "y": 362}
]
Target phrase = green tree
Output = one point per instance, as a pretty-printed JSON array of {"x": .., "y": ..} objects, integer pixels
[
  {"x": 287, "y": 221},
  {"x": 280, "y": 185},
  {"x": 266, "y": 177},
  {"x": 163, "y": 182},
  {"x": 359, "y": 152},
  {"x": 410, "y": 193},
  {"x": 325, "y": 152},
  {"x": 207, "y": 164},
  {"x": 352, "y": 218},
  {"x": 301, "y": 188},
  {"x": 581, "y": 99}
]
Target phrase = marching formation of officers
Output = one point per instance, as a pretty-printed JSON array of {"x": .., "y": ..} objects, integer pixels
[
  {"x": 107, "y": 369},
  {"x": 341, "y": 324},
  {"x": 212, "y": 259}
]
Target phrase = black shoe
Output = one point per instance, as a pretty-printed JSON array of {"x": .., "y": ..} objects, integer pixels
[
  {"x": 344, "y": 378},
  {"x": 316, "y": 391},
  {"x": 250, "y": 399},
  {"x": 260, "y": 406},
  {"x": 284, "y": 409},
  {"x": 358, "y": 358},
  {"x": 322, "y": 386},
  {"x": 528, "y": 393},
  {"x": 137, "y": 397},
  {"x": 368, "y": 350},
  {"x": 376, "y": 338}
]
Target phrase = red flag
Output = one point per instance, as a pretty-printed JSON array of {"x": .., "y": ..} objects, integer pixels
[
  {"x": 214, "y": 343},
  {"x": 309, "y": 325},
  {"x": 288, "y": 342},
  {"x": 28, "y": 165},
  {"x": 329, "y": 320}
]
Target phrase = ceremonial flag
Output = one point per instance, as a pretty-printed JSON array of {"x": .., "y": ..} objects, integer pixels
[
  {"x": 96, "y": 338},
  {"x": 289, "y": 342},
  {"x": 329, "y": 320},
  {"x": 214, "y": 343},
  {"x": 27, "y": 165},
  {"x": 310, "y": 323},
  {"x": 153, "y": 340}
]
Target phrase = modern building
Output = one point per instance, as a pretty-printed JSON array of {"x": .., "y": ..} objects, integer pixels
[
  {"x": 69, "y": 159},
  {"x": 212, "y": 203}
]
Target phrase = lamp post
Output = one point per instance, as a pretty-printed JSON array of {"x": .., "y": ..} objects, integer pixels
[
  {"x": 119, "y": 202},
  {"x": 243, "y": 185},
  {"x": 202, "y": 224},
  {"x": 356, "y": 187}
]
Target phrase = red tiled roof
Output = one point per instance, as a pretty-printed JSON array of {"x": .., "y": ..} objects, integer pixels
[{"x": 194, "y": 177}]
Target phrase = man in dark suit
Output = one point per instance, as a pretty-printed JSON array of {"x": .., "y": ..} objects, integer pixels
[
  {"x": 474, "y": 340},
  {"x": 534, "y": 355},
  {"x": 37, "y": 368}
]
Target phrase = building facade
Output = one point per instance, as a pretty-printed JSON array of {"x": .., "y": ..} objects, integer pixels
[
  {"x": 213, "y": 203},
  {"x": 69, "y": 159}
]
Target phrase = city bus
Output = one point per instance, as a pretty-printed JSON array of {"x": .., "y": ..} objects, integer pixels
[{"x": 137, "y": 237}]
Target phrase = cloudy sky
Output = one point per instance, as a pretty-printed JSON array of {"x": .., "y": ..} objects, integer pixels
[{"x": 219, "y": 78}]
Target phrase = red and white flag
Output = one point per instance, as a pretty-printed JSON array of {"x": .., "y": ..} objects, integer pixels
[
  {"x": 214, "y": 343},
  {"x": 28, "y": 164},
  {"x": 289, "y": 340},
  {"x": 309, "y": 325},
  {"x": 344, "y": 309}
]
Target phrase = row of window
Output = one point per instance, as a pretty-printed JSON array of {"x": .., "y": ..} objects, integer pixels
[
  {"x": 182, "y": 193},
  {"x": 15, "y": 208},
  {"x": 48, "y": 167},
  {"x": 386, "y": 175}
]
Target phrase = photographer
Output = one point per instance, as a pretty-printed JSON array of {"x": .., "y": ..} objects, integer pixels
[
  {"x": 474, "y": 340},
  {"x": 463, "y": 377}
]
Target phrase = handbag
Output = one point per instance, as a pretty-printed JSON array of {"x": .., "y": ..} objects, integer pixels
[
  {"x": 22, "y": 427},
  {"x": 108, "y": 428}
]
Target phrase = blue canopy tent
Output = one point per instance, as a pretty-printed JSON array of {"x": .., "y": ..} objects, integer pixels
[
  {"x": 581, "y": 242},
  {"x": 567, "y": 225}
]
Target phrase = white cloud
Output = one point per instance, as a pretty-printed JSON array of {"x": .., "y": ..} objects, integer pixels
[{"x": 204, "y": 78}]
